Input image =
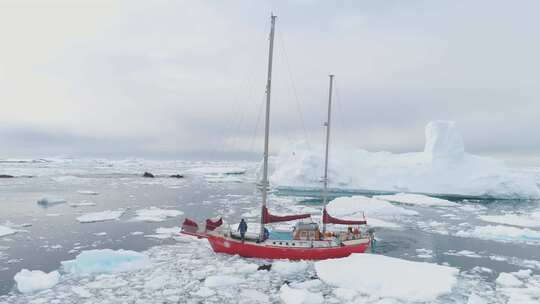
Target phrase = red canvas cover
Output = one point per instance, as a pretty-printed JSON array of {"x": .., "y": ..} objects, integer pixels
[
  {"x": 211, "y": 225},
  {"x": 269, "y": 218},
  {"x": 327, "y": 219},
  {"x": 189, "y": 226}
]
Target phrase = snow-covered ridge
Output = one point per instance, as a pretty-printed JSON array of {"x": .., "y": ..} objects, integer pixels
[{"x": 442, "y": 168}]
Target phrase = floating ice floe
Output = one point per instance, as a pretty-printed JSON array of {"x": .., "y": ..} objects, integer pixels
[
  {"x": 519, "y": 287},
  {"x": 442, "y": 168},
  {"x": 107, "y": 215},
  {"x": 82, "y": 204},
  {"x": 87, "y": 192},
  {"x": 97, "y": 261},
  {"x": 289, "y": 268},
  {"x": 6, "y": 231},
  {"x": 531, "y": 220},
  {"x": 377, "y": 211},
  {"x": 502, "y": 233},
  {"x": 299, "y": 296},
  {"x": 154, "y": 214},
  {"x": 165, "y": 233},
  {"x": 51, "y": 200},
  {"x": 464, "y": 253},
  {"x": 35, "y": 280},
  {"x": 416, "y": 281},
  {"x": 417, "y": 199}
]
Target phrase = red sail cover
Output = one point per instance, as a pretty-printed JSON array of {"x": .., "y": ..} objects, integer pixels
[
  {"x": 189, "y": 226},
  {"x": 327, "y": 219},
  {"x": 269, "y": 218},
  {"x": 211, "y": 225}
]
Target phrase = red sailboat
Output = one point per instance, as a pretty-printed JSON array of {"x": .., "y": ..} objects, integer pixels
[{"x": 305, "y": 241}]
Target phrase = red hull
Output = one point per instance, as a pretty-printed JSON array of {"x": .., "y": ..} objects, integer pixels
[{"x": 265, "y": 251}]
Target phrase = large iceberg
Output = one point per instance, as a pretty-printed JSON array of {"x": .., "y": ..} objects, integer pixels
[
  {"x": 442, "y": 168},
  {"x": 6, "y": 231}
]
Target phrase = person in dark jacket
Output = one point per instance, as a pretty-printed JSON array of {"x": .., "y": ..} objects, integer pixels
[{"x": 242, "y": 228}]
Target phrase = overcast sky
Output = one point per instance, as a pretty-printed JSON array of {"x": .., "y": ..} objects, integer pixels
[{"x": 185, "y": 79}]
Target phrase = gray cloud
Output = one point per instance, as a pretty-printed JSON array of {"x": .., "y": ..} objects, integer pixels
[{"x": 187, "y": 78}]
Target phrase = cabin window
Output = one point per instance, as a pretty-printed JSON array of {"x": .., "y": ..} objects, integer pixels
[
  {"x": 274, "y": 243},
  {"x": 304, "y": 234},
  {"x": 287, "y": 243},
  {"x": 293, "y": 244},
  {"x": 280, "y": 243}
]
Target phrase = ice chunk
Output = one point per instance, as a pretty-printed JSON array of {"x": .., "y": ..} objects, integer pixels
[
  {"x": 416, "y": 199},
  {"x": 6, "y": 231},
  {"x": 287, "y": 268},
  {"x": 502, "y": 233},
  {"x": 416, "y": 281},
  {"x": 299, "y": 296},
  {"x": 51, "y": 200},
  {"x": 87, "y": 192},
  {"x": 222, "y": 280},
  {"x": 508, "y": 280},
  {"x": 105, "y": 261},
  {"x": 101, "y": 216},
  {"x": 442, "y": 168},
  {"x": 356, "y": 206},
  {"x": 523, "y": 220},
  {"x": 82, "y": 204},
  {"x": 154, "y": 214},
  {"x": 35, "y": 280},
  {"x": 204, "y": 292},
  {"x": 81, "y": 292}
]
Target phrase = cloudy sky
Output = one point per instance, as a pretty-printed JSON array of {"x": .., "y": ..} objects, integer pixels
[{"x": 185, "y": 79}]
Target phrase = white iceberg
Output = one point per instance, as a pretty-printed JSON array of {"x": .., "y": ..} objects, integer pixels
[
  {"x": 531, "y": 220},
  {"x": 502, "y": 233},
  {"x": 299, "y": 296},
  {"x": 6, "y": 231},
  {"x": 97, "y": 261},
  {"x": 51, "y": 200},
  {"x": 416, "y": 199},
  {"x": 442, "y": 168},
  {"x": 421, "y": 282},
  {"x": 35, "y": 280},
  {"x": 154, "y": 214},
  {"x": 107, "y": 215}
]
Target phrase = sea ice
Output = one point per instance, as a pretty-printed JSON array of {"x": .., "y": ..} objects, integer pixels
[
  {"x": 355, "y": 207},
  {"x": 6, "y": 231},
  {"x": 416, "y": 281},
  {"x": 299, "y": 296},
  {"x": 502, "y": 233},
  {"x": 289, "y": 268},
  {"x": 442, "y": 168},
  {"x": 101, "y": 216},
  {"x": 416, "y": 199},
  {"x": 105, "y": 261},
  {"x": 221, "y": 280},
  {"x": 51, "y": 200},
  {"x": 82, "y": 204},
  {"x": 88, "y": 192},
  {"x": 531, "y": 220},
  {"x": 35, "y": 280},
  {"x": 154, "y": 214}
]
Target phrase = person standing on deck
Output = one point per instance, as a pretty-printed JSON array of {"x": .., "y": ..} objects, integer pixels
[{"x": 242, "y": 227}]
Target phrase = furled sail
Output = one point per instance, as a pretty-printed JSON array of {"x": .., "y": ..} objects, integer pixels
[
  {"x": 327, "y": 219},
  {"x": 270, "y": 218}
]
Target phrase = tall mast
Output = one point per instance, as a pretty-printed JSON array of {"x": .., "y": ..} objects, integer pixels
[
  {"x": 327, "y": 125},
  {"x": 265, "y": 185}
]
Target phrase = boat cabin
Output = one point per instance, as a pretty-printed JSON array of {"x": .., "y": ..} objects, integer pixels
[{"x": 306, "y": 232}]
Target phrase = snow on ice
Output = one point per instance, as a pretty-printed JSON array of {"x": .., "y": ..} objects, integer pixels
[
  {"x": 35, "y": 280},
  {"x": 105, "y": 261},
  {"x": 299, "y": 296},
  {"x": 6, "y": 231},
  {"x": 87, "y": 192},
  {"x": 416, "y": 199},
  {"x": 101, "y": 216},
  {"x": 416, "y": 281},
  {"x": 442, "y": 168},
  {"x": 154, "y": 214}
]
